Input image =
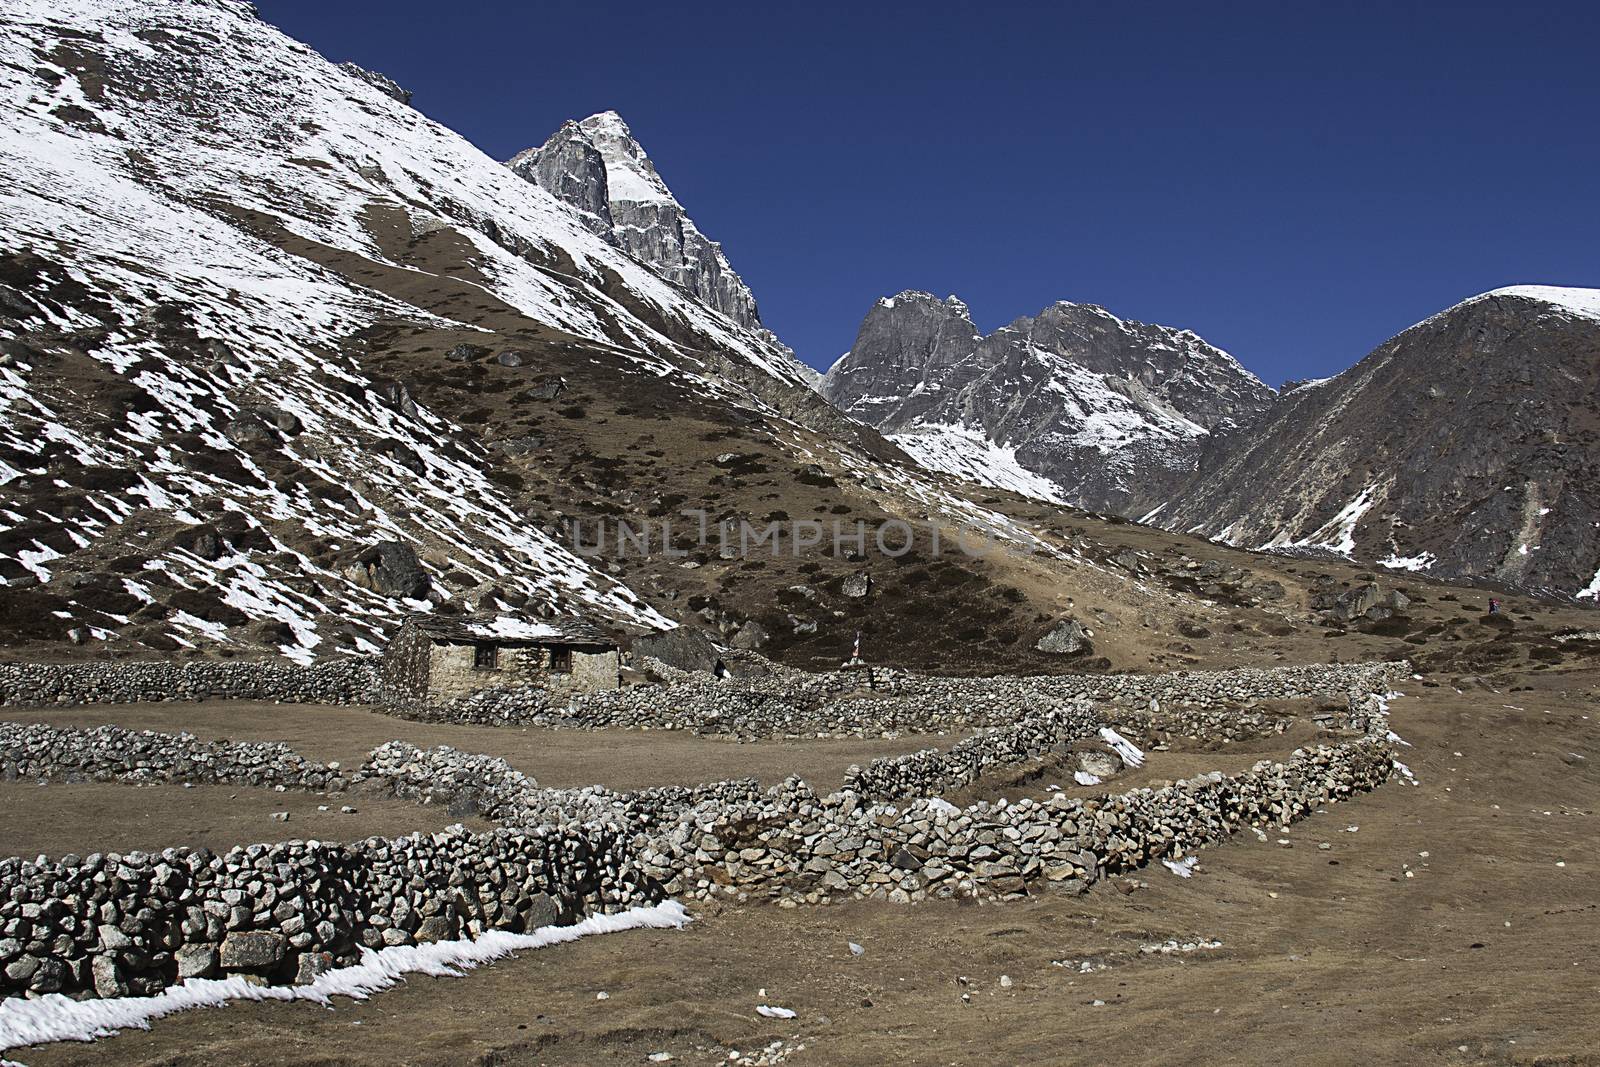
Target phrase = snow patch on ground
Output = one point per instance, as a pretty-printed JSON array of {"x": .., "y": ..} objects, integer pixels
[
  {"x": 1130, "y": 753},
  {"x": 55, "y": 1017},
  {"x": 1420, "y": 562},
  {"x": 1338, "y": 534},
  {"x": 1183, "y": 868},
  {"x": 1592, "y": 590}
]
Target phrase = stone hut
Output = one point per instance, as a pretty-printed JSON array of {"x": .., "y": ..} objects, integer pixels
[{"x": 436, "y": 659}]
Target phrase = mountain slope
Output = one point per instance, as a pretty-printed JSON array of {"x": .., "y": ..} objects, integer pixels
[
  {"x": 1073, "y": 405},
  {"x": 1466, "y": 446},
  {"x": 205, "y": 224},
  {"x": 281, "y": 360}
]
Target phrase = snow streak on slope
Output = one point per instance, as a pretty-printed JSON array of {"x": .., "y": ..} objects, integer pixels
[{"x": 966, "y": 453}]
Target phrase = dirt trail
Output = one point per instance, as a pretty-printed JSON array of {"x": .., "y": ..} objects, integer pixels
[
  {"x": 1484, "y": 953},
  {"x": 81, "y": 818},
  {"x": 620, "y": 759}
]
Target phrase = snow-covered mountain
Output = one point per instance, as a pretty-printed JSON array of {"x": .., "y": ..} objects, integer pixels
[
  {"x": 1073, "y": 405},
  {"x": 208, "y": 232},
  {"x": 1466, "y": 446},
  {"x": 598, "y": 167}
]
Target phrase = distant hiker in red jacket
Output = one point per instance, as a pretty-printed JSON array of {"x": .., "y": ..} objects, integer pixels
[{"x": 1494, "y": 606}]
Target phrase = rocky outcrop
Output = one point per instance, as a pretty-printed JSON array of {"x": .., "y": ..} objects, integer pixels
[
  {"x": 598, "y": 167},
  {"x": 381, "y": 82},
  {"x": 1468, "y": 446},
  {"x": 1073, "y": 405}
]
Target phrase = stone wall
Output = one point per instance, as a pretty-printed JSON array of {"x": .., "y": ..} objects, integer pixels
[
  {"x": 798, "y": 847},
  {"x": 933, "y": 771},
  {"x": 110, "y": 753},
  {"x": 473, "y": 783},
  {"x": 345, "y": 681},
  {"x": 795, "y": 704},
  {"x": 117, "y": 924}
]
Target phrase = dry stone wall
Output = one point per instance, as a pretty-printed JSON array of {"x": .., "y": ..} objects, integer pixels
[
  {"x": 794, "y": 704},
  {"x": 473, "y": 783},
  {"x": 110, "y": 753},
  {"x": 797, "y": 847},
  {"x": 348, "y": 681},
  {"x": 116, "y": 924},
  {"x": 934, "y": 771}
]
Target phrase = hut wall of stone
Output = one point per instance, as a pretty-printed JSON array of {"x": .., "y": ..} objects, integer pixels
[
  {"x": 452, "y": 672},
  {"x": 403, "y": 671}
]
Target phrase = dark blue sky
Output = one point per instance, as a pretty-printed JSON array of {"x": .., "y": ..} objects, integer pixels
[{"x": 1295, "y": 182}]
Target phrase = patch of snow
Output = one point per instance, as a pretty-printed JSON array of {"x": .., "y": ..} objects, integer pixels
[
  {"x": 1420, "y": 562},
  {"x": 55, "y": 1017},
  {"x": 1085, "y": 778},
  {"x": 1183, "y": 868},
  {"x": 505, "y": 626},
  {"x": 1122, "y": 746},
  {"x": 772, "y": 1012},
  {"x": 1592, "y": 590},
  {"x": 969, "y": 454}
]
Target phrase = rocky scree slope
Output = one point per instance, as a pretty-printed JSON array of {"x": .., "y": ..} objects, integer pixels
[
  {"x": 1467, "y": 446},
  {"x": 1073, "y": 405}
]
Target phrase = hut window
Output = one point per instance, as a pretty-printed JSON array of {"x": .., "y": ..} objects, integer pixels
[
  {"x": 561, "y": 660},
  {"x": 486, "y": 656}
]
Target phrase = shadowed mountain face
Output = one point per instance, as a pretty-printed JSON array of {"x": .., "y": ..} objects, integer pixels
[
  {"x": 1073, "y": 405},
  {"x": 1467, "y": 446}
]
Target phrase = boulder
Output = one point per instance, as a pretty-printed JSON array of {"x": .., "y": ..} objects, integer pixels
[
  {"x": 1100, "y": 764},
  {"x": 1067, "y": 638},
  {"x": 197, "y": 960},
  {"x": 391, "y": 568},
  {"x": 107, "y": 977},
  {"x": 682, "y": 647},
  {"x": 466, "y": 353},
  {"x": 309, "y": 965},
  {"x": 278, "y": 418},
  {"x": 857, "y": 585},
  {"x": 541, "y": 909},
  {"x": 751, "y": 635},
  {"x": 249, "y": 431}
]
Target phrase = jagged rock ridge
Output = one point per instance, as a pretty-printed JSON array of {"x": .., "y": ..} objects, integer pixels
[{"x": 1073, "y": 405}]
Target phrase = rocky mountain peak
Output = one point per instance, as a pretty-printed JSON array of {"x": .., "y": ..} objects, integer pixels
[
  {"x": 1073, "y": 404},
  {"x": 598, "y": 166}
]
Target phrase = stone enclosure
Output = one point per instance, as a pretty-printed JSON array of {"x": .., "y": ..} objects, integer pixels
[{"x": 111, "y": 924}]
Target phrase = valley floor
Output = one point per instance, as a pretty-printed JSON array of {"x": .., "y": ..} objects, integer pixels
[{"x": 1451, "y": 921}]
